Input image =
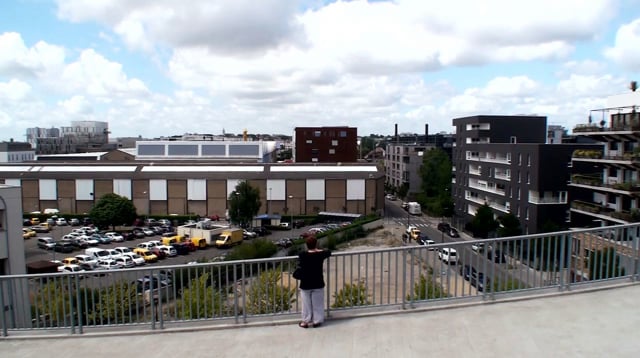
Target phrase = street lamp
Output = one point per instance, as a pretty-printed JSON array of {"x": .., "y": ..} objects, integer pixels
[
  {"x": 237, "y": 195},
  {"x": 291, "y": 211}
]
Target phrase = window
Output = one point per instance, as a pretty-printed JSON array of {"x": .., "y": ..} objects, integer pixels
[
  {"x": 528, "y": 160},
  {"x": 332, "y": 151},
  {"x": 317, "y": 133},
  {"x": 519, "y": 159},
  {"x": 334, "y": 143},
  {"x": 528, "y": 178},
  {"x": 526, "y": 213},
  {"x": 314, "y": 153},
  {"x": 343, "y": 134},
  {"x": 513, "y": 140},
  {"x": 309, "y": 141}
]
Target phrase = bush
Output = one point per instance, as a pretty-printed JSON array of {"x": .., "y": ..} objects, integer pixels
[
  {"x": 351, "y": 295},
  {"x": 427, "y": 288},
  {"x": 200, "y": 300},
  {"x": 257, "y": 249},
  {"x": 268, "y": 295}
]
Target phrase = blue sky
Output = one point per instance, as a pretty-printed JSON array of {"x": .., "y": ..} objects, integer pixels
[{"x": 168, "y": 67}]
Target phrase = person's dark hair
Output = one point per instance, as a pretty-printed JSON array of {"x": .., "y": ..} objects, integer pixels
[{"x": 311, "y": 242}]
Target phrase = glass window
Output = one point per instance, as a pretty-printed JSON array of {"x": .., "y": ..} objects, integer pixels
[
  {"x": 317, "y": 133},
  {"x": 343, "y": 134}
]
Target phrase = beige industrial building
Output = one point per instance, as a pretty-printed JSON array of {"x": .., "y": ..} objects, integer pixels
[{"x": 164, "y": 188}]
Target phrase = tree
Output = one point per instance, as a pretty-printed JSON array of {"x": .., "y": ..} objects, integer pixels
[
  {"x": 112, "y": 210},
  {"x": 483, "y": 222},
  {"x": 244, "y": 203},
  {"x": 403, "y": 190},
  {"x": 436, "y": 173},
  {"x": 509, "y": 225},
  {"x": 604, "y": 264},
  {"x": 114, "y": 303}
]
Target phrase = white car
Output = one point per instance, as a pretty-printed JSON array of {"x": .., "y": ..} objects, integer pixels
[
  {"x": 169, "y": 250},
  {"x": 70, "y": 268},
  {"x": 148, "y": 232},
  {"x": 114, "y": 253},
  {"x": 125, "y": 262},
  {"x": 61, "y": 222},
  {"x": 448, "y": 255},
  {"x": 114, "y": 236},
  {"x": 108, "y": 264},
  {"x": 86, "y": 259},
  {"x": 137, "y": 259},
  {"x": 479, "y": 247},
  {"x": 89, "y": 240},
  {"x": 146, "y": 245},
  {"x": 123, "y": 250}
]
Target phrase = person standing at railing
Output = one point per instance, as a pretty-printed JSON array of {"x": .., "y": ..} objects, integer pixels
[{"x": 312, "y": 283}]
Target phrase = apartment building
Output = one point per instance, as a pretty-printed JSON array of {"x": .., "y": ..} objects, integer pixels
[
  {"x": 80, "y": 136},
  {"x": 325, "y": 144},
  {"x": 504, "y": 161},
  {"x": 609, "y": 194},
  {"x": 16, "y": 152},
  {"x": 402, "y": 166}
]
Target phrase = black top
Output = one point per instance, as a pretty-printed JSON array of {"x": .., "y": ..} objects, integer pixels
[{"x": 311, "y": 265}]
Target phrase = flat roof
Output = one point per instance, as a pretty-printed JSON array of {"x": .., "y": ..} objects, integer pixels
[{"x": 346, "y": 215}]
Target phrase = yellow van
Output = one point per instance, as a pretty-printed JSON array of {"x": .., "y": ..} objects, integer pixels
[{"x": 35, "y": 221}]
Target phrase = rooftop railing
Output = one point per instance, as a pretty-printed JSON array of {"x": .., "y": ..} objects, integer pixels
[{"x": 390, "y": 278}]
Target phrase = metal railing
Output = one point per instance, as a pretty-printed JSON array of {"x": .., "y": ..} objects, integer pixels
[{"x": 237, "y": 292}]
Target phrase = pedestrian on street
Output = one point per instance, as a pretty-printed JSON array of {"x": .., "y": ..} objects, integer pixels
[{"x": 312, "y": 283}]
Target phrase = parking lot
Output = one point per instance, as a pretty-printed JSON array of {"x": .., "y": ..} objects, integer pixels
[{"x": 34, "y": 253}]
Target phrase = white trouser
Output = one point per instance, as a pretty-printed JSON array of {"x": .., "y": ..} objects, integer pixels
[{"x": 312, "y": 305}]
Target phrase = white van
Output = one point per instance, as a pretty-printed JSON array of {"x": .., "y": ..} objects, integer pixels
[{"x": 98, "y": 254}]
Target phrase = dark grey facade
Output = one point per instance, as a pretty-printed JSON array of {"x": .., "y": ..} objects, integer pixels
[{"x": 503, "y": 161}]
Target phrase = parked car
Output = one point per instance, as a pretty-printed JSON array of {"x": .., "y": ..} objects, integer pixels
[
  {"x": 285, "y": 225},
  {"x": 249, "y": 234},
  {"x": 70, "y": 268},
  {"x": 61, "y": 246},
  {"x": 148, "y": 232},
  {"x": 147, "y": 255},
  {"x": 479, "y": 280},
  {"x": 298, "y": 224},
  {"x": 444, "y": 227},
  {"x": 137, "y": 259},
  {"x": 108, "y": 264},
  {"x": 466, "y": 271},
  {"x": 74, "y": 222},
  {"x": 35, "y": 221},
  {"x": 61, "y": 222},
  {"x": 181, "y": 248},
  {"x": 70, "y": 261},
  {"x": 41, "y": 228},
  {"x": 156, "y": 251},
  {"x": 114, "y": 253},
  {"x": 125, "y": 261},
  {"x": 285, "y": 242},
  {"x": 138, "y": 233},
  {"x": 114, "y": 236},
  {"x": 452, "y": 232},
  {"x": 46, "y": 243},
  {"x": 123, "y": 250},
  {"x": 164, "y": 222},
  {"x": 261, "y": 231},
  {"x": 87, "y": 260},
  {"x": 128, "y": 235},
  {"x": 478, "y": 247},
  {"x": 27, "y": 233},
  {"x": 27, "y": 222},
  {"x": 170, "y": 251},
  {"x": 102, "y": 239},
  {"x": 448, "y": 255}
]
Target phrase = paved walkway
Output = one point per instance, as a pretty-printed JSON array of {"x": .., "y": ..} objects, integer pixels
[{"x": 586, "y": 324}]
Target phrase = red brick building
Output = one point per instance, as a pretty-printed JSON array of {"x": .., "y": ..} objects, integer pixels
[{"x": 326, "y": 144}]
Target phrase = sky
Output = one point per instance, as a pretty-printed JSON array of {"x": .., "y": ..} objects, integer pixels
[{"x": 169, "y": 67}]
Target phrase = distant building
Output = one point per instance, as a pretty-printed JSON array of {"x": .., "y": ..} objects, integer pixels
[
  {"x": 15, "y": 152},
  {"x": 503, "y": 161},
  {"x": 237, "y": 151},
  {"x": 555, "y": 134},
  {"x": 402, "y": 166},
  {"x": 116, "y": 155},
  {"x": 80, "y": 137},
  {"x": 12, "y": 261},
  {"x": 326, "y": 144}
]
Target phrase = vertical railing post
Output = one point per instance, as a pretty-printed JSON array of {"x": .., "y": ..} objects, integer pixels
[
  {"x": 404, "y": 279},
  {"x": 78, "y": 304},
  {"x": 563, "y": 255},
  {"x": 3, "y": 313},
  {"x": 636, "y": 261},
  {"x": 328, "y": 287}
]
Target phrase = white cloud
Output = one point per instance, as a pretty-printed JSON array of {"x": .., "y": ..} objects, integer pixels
[
  {"x": 76, "y": 105},
  {"x": 14, "y": 90},
  {"x": 626, "y": 50},
  {"x": 18, "y": 60}
]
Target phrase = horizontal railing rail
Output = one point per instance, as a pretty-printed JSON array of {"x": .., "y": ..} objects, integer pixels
[{"x": 237, "y": 292}]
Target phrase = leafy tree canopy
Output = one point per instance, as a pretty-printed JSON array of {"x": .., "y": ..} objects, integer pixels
[
  {"x": 436, "y": 173},
  {"x": 112, "y": 210},
  {"x": 483, "y": 222},
  {"x": 509, "y": 226},
  {"x": 244, "y": 203}
]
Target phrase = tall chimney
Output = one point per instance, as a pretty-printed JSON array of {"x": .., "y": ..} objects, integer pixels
[
  {"x": 633, "y": 86},
  {"x": 396, "y": 133},
  {"x": 426, "y": 133}
]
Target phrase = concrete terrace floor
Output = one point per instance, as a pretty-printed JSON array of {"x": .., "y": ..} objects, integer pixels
[{"x": 595, "y": 323}]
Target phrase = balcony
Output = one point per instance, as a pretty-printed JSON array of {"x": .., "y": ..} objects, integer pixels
[
  {"x": 547, "y": 200},
  {"x": 589, "y": 154},
  {"x": 490, "y": 189},
  {"x": 502, "y": 176},
  {"x": 629, "y": 188},
  {"x": 622, "y": 216}
]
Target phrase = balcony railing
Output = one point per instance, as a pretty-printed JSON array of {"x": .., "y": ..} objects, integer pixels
[
  {"x": 631, "y": 187},
  {"x": 591, "y": 154},
  {"x": 546, "y": 200},
  {"x": 629, "y": 216},
  {"x": 238, "y": 292}
]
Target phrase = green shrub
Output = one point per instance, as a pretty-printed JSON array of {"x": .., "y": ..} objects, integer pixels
[
  {"x": 257, "y": 249},
  {"x": 267, "y": 294},
  {"x": 427, "y": 288},
  {"x": 351, "y": 295},
  {"x": 201, "y": 300}
]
